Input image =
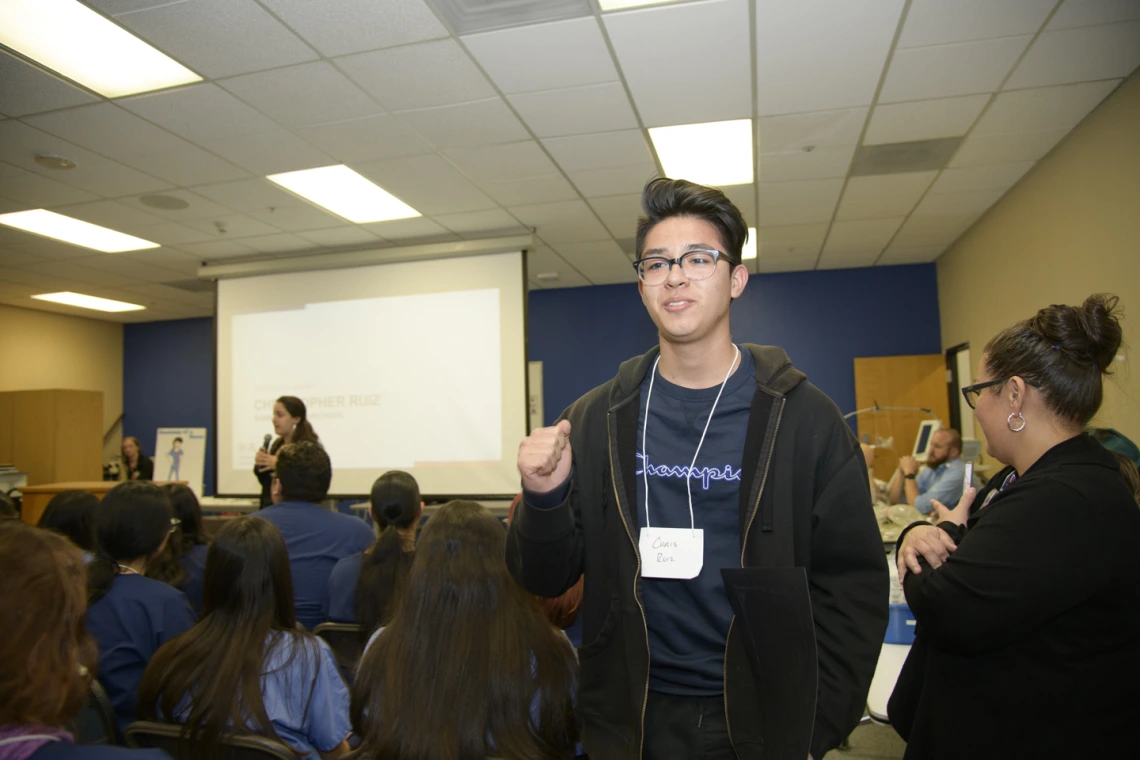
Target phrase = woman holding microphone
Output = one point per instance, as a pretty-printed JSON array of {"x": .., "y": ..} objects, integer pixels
[{"x": 291, "y": 424}]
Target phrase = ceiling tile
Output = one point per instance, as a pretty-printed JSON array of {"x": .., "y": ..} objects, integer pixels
[
  {"x": 883, "y": 195},
  {"x": 116, "y": 264},
  {"x": 543, "y": 259},
  {"x": 978, "y": 150},
  {"x": 597, "y": 151},
  {"x": 936, "y": 22},
  {"x": 25, "y": 89},
  {"x": 358, "y": 25},
  {"x": 612, "y": 180},
  {"x": 262, "y": 200},
  {"x": 651, "y": 46},
  {"x": 783, "y": 134},
  {"x": 268, "y": 152},
  {"x": 492, "y": 220},
  {"x": 776, "y": 264},
  {"x": 544, "y": 189},
  {"x": 1044, "y": 108},
  {"x": 576, "y": 110},
  {"x": 804, "y": 202},
  {"x": 922, "y": 255},
  {"x": 922, "y": 231},
  {"x": 950, "y": 204},
  {"x": 818, "y": 163},
  {"x": 218, "y": 38},
  {"x": 544, "y": 56},
  {"x": 991, "y": 177},
  {"x": 848, "y": 261},
  {"x": 78, "y": 271},
  {"x": 861, "y": 236},
  {"x": 280, "y": 243},
  {"x": 419, "y": 229},
  {"x": 310, "y": 93},
  {"x": 43, "y": 283},
  {"x": 791, "y": 240},
  {"x": 199, "y": 207},
  {"x": 924, "y": 119},
  {"x": 465, "y": 125},
  {"x": 113, "y": 214},
  {"x": 368, "y": 139},
  {"x": 176, "y": 261},
  {"x": 619, "y": 213},
  {"x": 235, "y": 226},
  {"x": 199, "y": 112},
  {"x": 44, "y": 248},
  {"x": 339, "y": 237},
  {"x": 39, "y": 192},
  {"x": 744, "y": 198},
  {"x": 562, "y": 222},
  {"x": 13, "y": 258},
  {"x": 216, "y": 250},
  {"x": 428, "y": 184},
  {"x": 964, "y": 68},
  {"x": 1111, "y": 51},
  {"x": 499, "y": 162},
  {"x": 427, "y": 74},
  {"x": 1091, "y": 12},
  {"x": 158, "y": 293},
  {"x": 815, "y": 55}
]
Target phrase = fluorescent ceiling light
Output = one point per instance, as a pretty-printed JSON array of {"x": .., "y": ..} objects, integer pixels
[
  {"x": 70, "y": 38},
  {"x": 715, "y": 153},
  {"x": 53, "y": 225},
  {"x": 617, "y": 5},
  {"x": 749, "y": 251},
  {"x": 89, "y": 302},
  {"x": 345, "y": 193}
]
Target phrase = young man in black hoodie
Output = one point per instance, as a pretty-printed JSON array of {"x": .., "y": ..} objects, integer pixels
[{"x": 736, "y": 586}]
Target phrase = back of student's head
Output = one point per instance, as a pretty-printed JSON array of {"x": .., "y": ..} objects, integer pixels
[
  {"x": 248, "y": 595},
  {"x": 188, "y": 512},
  {"x": 463, "y": 613},
  {"x": 48, "y": 656},
  {"x": 664, "y": 198},
  {"x": 131, "y": 523},
  {"x": 72, "y": 514},
  {"x": 304, "y": 470},
  {"x": 395, "y": 506}
]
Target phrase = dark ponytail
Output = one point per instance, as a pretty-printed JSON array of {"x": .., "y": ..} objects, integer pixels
[
  {"x": 383, "y": 572},
  {"x": 296, "y": 408},
  {"x": 132, "y": 522},
  {"x": 1063, "y": 351}
]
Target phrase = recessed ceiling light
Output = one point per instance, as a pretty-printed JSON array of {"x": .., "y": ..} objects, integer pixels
[
  {"x": 166, "y": 202},
  {"x": 70, "y": 38},
  {"x": 714, "y": 153},
  {"x": 54, "y": 161},
  {"x": 617, "y": 5},
  {"x": 749, "y": 251},
  {"x": 345, "y": 193},
  {"x": 60, "y": 227},
  {"x": 89, "y": 302}
]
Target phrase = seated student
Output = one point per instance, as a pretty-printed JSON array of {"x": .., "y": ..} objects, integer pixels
[
  {"x": 72, "y": 514},
  {"x": 942, "y": 480},
  {"x": 131, "y": 615},
  {"x": 467, "y": 667},
  {"x": 1116, "y": 442},
  {"x": 316, "y": 538},
  {"x": 245, "y": 663},
  {"x": 363, "y": 586},
  {"x": 48, "y": 657},
  {"x": 188, "y": 544}
]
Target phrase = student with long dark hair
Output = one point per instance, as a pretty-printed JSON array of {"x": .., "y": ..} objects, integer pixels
[
  {"x": 468, "y": 667},
  {"x": 72, "y": 514},
  {"x": 363, "y": 587},
  {"x": 131, "y": 615},
  {"x": 48, "y": 658},
  {"x": 291, "y": 424},
  {"x": 245, "y": 664},
  {"x": 1027, "y": 597},
  {"x": 188, "y": 543}
]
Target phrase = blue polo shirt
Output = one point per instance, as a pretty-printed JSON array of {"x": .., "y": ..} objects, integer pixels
[
  {"x": 944, "y": 483},
  {"x": 316, "y": 540}
]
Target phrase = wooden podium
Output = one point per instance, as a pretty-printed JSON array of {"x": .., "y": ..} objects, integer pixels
[{"x": 36, "y": 498}]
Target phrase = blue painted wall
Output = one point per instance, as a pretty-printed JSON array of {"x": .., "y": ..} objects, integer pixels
[
  {"x": 168, "y": 381},
  {"x": 822, "y": 319}
]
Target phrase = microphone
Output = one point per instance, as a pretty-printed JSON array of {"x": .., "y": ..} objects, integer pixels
[{"x": 265, "y": 443}]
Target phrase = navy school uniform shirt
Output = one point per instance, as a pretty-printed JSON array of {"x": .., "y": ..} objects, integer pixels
[
  {"x": 68, "y": 751},
  {"x": 688, "y": 619},
  {"x": 343, "y": 580},
  {"x": 194, "y": 562},
  {"x": 132, "y": 620},
  {"x": 316, "y": 540}
]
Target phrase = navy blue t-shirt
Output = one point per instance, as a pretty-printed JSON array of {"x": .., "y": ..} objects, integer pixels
[
  {"x": 194, "y": 562},
  {"x": 688, "y": 619},
  {"x": 68, "y": 751},
  {"x": 343, "y": 580}
]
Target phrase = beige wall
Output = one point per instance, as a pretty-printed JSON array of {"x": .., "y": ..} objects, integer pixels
[
  {"x": 1069, "y": 229},
  {"x": 43, "y": 350}
]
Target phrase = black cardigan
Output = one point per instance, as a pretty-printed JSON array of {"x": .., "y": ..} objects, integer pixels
[
  {"x": 1028, "y": 637},
  {"x": 144, "y": 467},
  {"x": 266, "y": 478}
]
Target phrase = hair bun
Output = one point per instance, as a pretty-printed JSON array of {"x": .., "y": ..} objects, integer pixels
[
  {"x": 392, "y": 512},
  {"x": 1088, "y": 334}
]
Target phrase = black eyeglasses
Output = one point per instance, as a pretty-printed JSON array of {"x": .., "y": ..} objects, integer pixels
[
  {"x": 971, "y": 392},
  {"x": 696, "y": 265}
]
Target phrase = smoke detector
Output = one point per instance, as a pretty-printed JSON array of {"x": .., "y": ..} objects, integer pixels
[{"x": 54, "y": 161}]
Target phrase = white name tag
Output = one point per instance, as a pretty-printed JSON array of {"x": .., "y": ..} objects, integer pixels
[{"x": 671, "y": 552}]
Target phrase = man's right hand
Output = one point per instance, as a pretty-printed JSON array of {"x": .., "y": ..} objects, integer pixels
[{"x": 545, "y": 458}]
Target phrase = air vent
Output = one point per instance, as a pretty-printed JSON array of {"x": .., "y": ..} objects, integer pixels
[
  {"x": 466, "y": 16},
  {"x": 195, "y": 286},
  {"x": 900, "y": 158}
]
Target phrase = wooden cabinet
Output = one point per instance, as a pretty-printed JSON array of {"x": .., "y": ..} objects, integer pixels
[{"x": 53, "y": 435}]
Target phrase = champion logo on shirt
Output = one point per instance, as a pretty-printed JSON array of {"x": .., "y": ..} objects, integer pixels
[{"x": 704, "y": 474}]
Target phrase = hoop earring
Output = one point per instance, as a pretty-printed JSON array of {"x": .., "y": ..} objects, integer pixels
[{"x": 1009, "y": 423}]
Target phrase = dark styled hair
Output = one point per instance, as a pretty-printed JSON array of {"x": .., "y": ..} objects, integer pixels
[
  {"x": 1063, "y": 351},
  {"x": 296, "y": 408},
  {"x": 304, "y": 470},
  {"x": 247, "y": 611},
  {"x": 665, "y": 198},
  {"x": 384, "y": 570},
  {"x": 189, "y": 512},
  {"x": 132, "y": 521},
  {"x": 72, "y": 513},
  {"x": 177, "y": 440},
  {"x": 49, "y": 658},
  {"x": 464, "y": 614},
  {"x": 7, "y": 508}
]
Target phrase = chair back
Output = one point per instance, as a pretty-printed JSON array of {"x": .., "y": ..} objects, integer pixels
[
  {"x": 95, "y": 723},
  {"x": 168, "y": 738},
  {"x": 344, "y": 640}
]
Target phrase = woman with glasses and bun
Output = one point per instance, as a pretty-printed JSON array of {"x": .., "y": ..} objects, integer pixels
[
  {"x": 1027, "y": 594},
  {"x": 48, "y": 659},
  {"x": 130, "y": 615}
]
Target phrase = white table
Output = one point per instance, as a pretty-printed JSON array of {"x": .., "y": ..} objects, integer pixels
[
  {"x": 891, "y": 659},
  {"x": 215, "y": 504}
]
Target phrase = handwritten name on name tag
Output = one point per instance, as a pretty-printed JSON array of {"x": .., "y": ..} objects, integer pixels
[{"x": 671, "y": 552}]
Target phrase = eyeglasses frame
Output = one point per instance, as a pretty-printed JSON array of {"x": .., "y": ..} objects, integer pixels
[{"x": 717, "y": 255}]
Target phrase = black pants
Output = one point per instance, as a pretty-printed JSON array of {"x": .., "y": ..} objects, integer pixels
[{"x": 686, "y": 727}]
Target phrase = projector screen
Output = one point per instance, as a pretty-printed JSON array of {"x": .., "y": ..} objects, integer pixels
[{"x": 416, "y": 366}]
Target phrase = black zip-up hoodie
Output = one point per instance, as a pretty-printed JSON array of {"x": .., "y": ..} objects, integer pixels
[{"x": 810, "y": 599}]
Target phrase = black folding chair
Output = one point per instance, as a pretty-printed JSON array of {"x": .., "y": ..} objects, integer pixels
[
  {"x": 168, "y": 737},
  {"x": 95, "y": 723}
]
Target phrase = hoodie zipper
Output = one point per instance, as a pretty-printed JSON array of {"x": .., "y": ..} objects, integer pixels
[
  {"x": 636, "y": 590},
  {"x": 743, "y": 550}
]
